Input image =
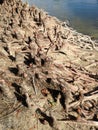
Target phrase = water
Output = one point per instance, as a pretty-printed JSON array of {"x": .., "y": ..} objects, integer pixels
[{"x": 82, "y": 14}]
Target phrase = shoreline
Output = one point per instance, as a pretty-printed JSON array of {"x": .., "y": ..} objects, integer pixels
[
  {"x": 48, "y": 72},
  {"x": 66, "y": 24},
  {"x": 80, "y": 24}
]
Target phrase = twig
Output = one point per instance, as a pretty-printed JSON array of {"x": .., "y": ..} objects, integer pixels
[
  {"x": 94, "y": 46},
  {"x": 85, "y": 98},
  {"x": 88, "y": 123},
  {"x": 94, "y": 96},
  {"x": 34, "y": 86},
  {"x": 10, "y": 112}
]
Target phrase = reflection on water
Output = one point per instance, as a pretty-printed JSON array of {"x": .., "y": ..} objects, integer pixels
[{"x": 82, "y": 14}]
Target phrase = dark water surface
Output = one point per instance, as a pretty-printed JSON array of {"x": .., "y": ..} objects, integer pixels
[{"x": 82, "y": 14}]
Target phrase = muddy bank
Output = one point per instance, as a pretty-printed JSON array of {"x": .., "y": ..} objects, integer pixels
[{"x": 48, "y": 72}]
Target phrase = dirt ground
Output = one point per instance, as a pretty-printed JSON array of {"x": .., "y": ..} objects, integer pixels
[{"x": 48, "y": 72}]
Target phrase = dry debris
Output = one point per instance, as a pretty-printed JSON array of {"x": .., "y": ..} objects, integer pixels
[{"x": 48, "y": 72}]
